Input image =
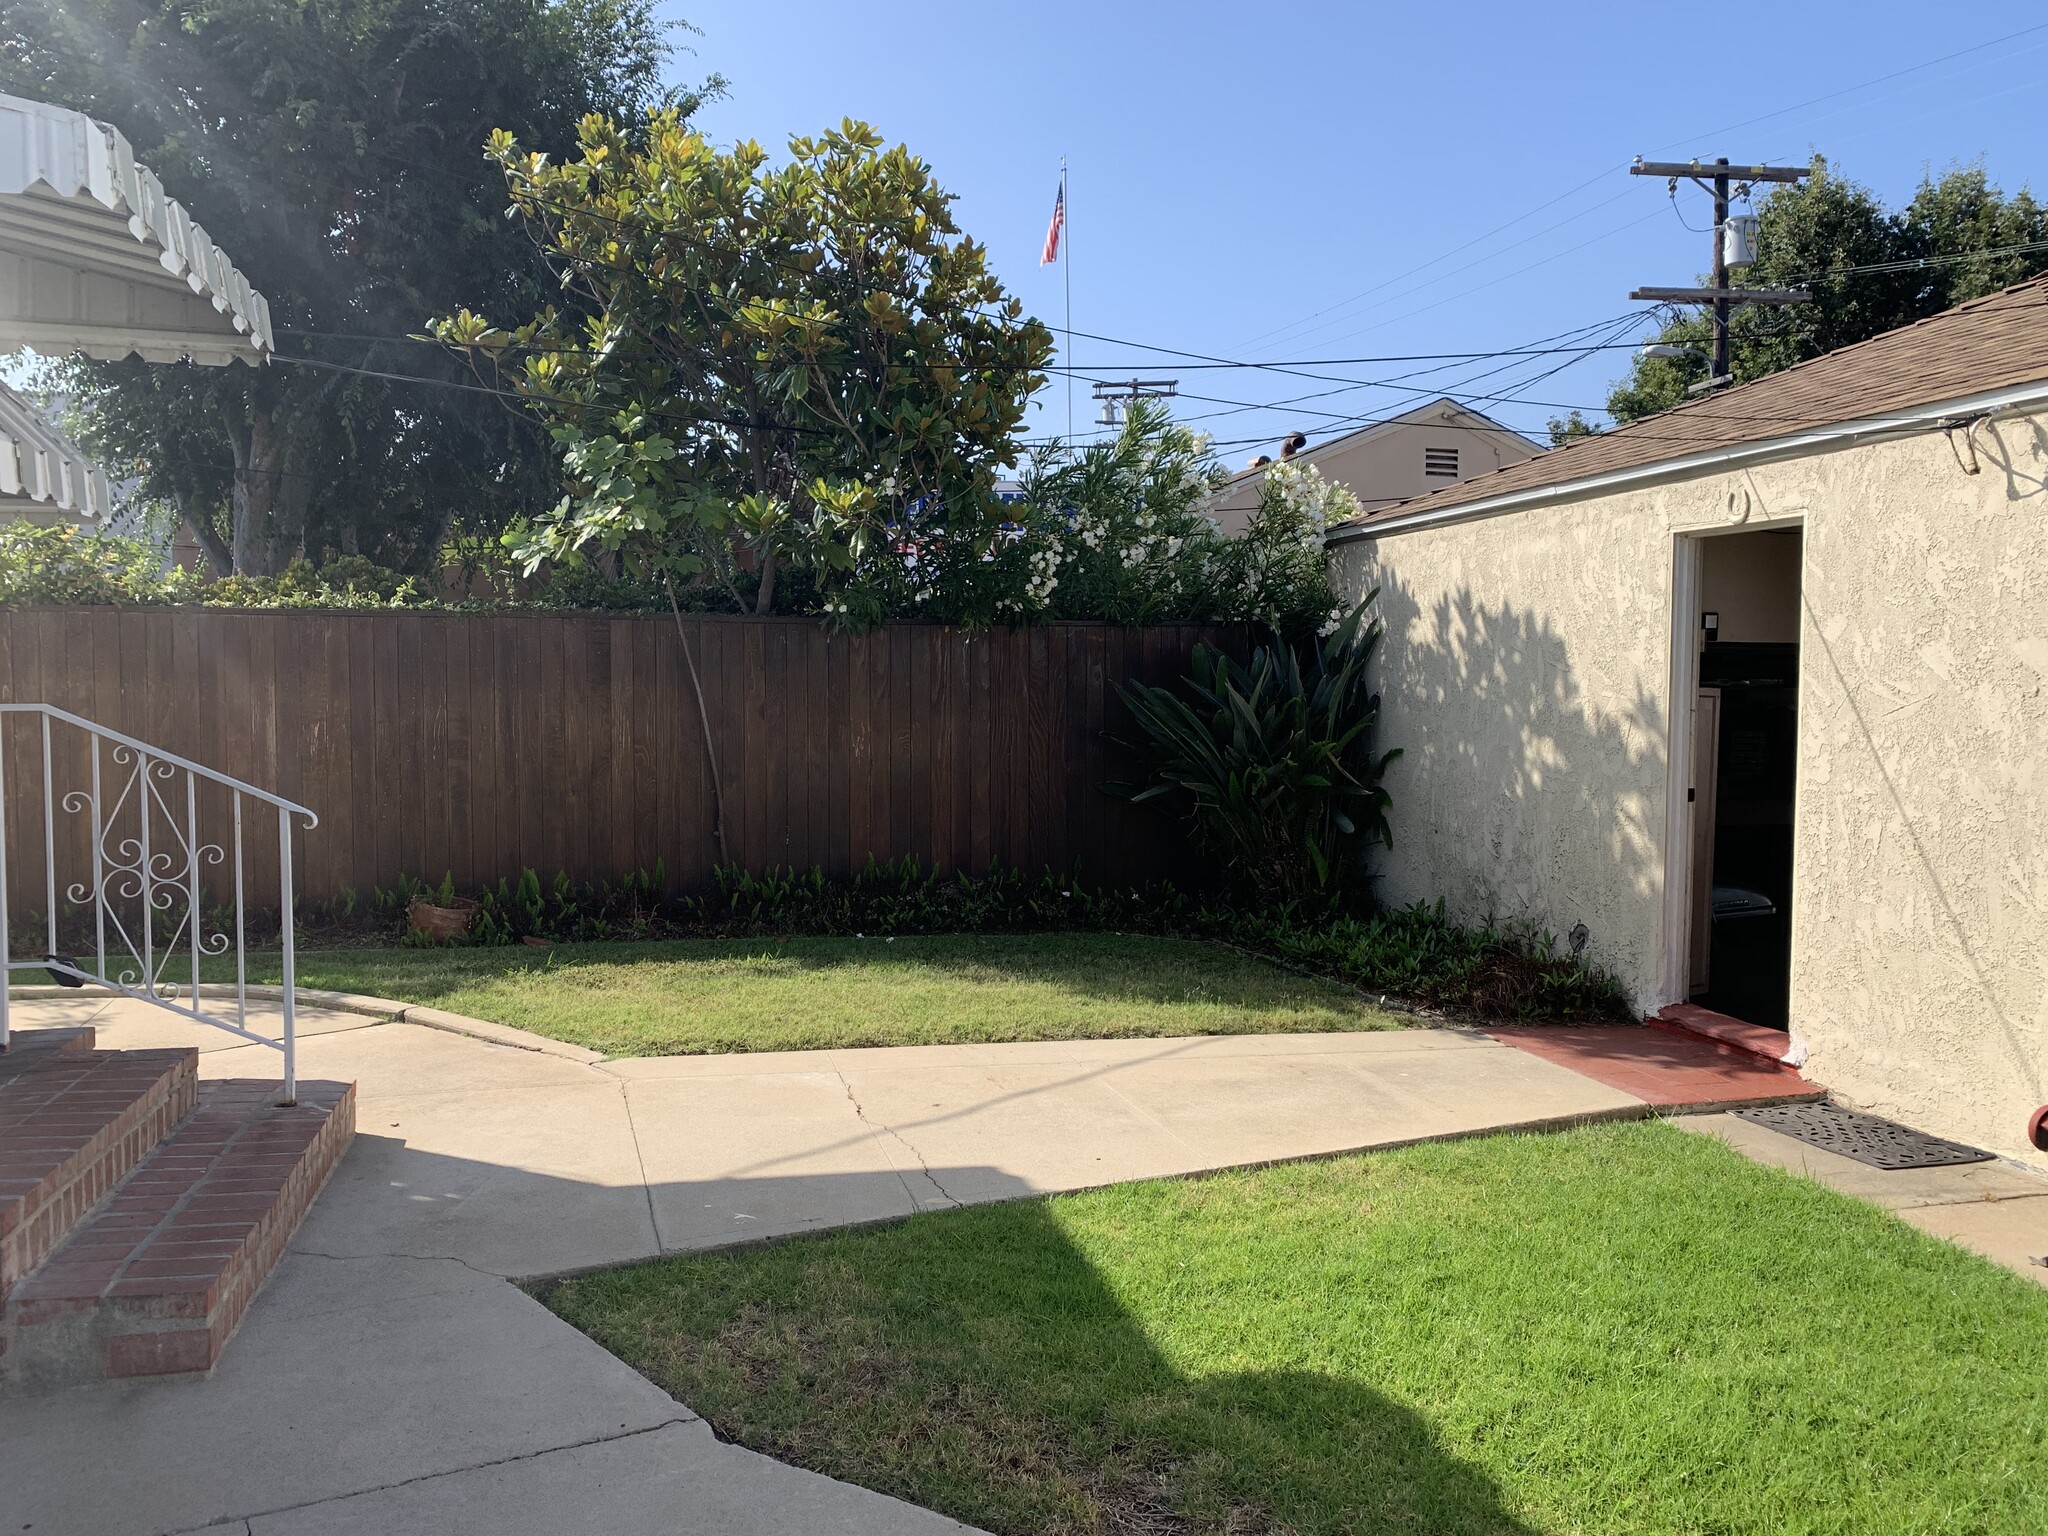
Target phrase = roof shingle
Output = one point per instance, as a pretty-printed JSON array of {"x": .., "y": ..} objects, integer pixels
[{"x": 1986, "y": 344}]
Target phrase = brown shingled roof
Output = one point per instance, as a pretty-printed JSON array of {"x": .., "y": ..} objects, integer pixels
[{"x": 1989, "y": 343}]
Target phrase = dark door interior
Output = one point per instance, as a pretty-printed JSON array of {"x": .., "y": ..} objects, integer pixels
[{"x": 1749, "y": 975}]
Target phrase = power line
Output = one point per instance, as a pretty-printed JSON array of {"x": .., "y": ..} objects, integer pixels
[
  {"x": 1451, "y": 392},
  {"x": 1425, "y": 266},
  {"x": 1454, "y": 387},
  {"x": 1915, "y": 263},
  {"x": 1634, "y": 432},
  {"x": 1206, "y": 360},
  {"x": 1599, "y": 176},
  {"x": 561, "y": 400}
]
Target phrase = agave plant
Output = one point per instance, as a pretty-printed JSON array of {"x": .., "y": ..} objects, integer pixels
[{"x": 1271, "y": 758}]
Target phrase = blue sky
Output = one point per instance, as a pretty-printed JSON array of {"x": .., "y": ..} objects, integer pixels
[{"x": 1286, "y": 183}]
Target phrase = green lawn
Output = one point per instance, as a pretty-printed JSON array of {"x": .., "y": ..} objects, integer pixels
[
  {"x": 1623, "y": 1329},
  {"x": 798, "y": 994}
]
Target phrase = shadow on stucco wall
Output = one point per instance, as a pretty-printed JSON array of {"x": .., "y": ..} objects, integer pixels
[
  {"x": 1527, "y": 791},
  {"x": 2020, "y": 484}
]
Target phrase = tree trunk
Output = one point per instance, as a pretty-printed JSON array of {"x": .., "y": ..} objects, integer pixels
[
  {"x": 219, "y": 558},
  {"x": 764, "y": 600},
  {"x": 269, "y": 500}
]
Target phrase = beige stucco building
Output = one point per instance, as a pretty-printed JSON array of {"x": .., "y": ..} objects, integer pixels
[
  {"x": 1828, "y": 810},
  {"x": 1390, "y": 461}
]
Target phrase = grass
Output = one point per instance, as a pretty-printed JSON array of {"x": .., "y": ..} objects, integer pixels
[
  {"x": 658, "y": 999},
  {"x": 1622, "y": 1329}
]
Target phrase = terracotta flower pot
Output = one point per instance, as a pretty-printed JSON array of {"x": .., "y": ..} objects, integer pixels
[{"x": 450, "y": 922}]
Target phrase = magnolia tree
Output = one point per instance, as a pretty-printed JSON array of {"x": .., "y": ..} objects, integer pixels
[{"x": 799, "y": 369}]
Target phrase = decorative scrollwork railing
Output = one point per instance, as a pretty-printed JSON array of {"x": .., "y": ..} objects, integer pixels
[{"x": 138, "y": 839}]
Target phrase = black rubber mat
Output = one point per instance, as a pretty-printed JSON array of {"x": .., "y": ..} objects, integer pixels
[{"x": 1866, "y": 1138}]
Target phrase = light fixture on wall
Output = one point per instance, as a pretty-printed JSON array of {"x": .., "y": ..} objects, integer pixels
[{"x": 1710, "y": 627}]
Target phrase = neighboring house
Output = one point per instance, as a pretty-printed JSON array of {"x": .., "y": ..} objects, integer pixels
[
  {"x": 1391, "y": 461},
  {"x": 1750, "y": 698},
  {"x": 44, "y": 477}
]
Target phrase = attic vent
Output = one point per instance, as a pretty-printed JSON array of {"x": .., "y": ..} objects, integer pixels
[{"x": 1440, "y": 461}]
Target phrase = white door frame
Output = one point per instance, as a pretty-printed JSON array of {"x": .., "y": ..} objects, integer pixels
[{"x": 1687, "y": 562}]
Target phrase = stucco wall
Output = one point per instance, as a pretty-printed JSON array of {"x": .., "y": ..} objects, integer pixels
[
  {"x": 1753, "y": 584},
  {"x": 1527, "y": 678}
]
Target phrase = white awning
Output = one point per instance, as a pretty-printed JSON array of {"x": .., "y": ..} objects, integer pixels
[
  {"x": 95, "y": 258},
  {"x": 40, "y": 464}
]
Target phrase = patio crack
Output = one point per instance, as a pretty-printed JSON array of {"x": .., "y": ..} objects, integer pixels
[
  {"x": 924, "y": 1167},
  {"x": 640, "y": 1157},
  {"x": 478, "y": 1466}
]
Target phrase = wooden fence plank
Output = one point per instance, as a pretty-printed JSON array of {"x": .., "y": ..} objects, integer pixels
[{"x": 484, "y": 744}]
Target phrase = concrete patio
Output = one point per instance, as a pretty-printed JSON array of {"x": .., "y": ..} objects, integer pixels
[{"x": 390, "y": 1378}]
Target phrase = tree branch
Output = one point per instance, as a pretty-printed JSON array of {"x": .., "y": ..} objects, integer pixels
[{"x": 703, "y": 719}]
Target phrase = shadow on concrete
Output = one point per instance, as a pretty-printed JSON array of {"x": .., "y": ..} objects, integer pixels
[{"x": 980, "y": 1364}]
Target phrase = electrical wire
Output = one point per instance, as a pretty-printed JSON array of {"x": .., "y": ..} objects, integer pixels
[
  {"x": 561, "y": 400},
  {"x": 1300, "y": 326},
  {"x": 1285, "y": 331},
  {"x": 1916, "y": 263},
  {"x": 1198, "y": 360},
  {"x": 1455, "y": 389}
]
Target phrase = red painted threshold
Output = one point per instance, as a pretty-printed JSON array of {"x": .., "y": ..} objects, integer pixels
[
  {"x": 1665, "y": 1068},
  {"x": 1705, "y": 1024}
]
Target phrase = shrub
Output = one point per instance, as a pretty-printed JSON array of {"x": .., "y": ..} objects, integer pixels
[
  {"x": 1271, "y": 761},
  {"x": 1118, "y": 530},
  {"x": 69, "y": 564},
  {"x": 1122, "y": 530}
]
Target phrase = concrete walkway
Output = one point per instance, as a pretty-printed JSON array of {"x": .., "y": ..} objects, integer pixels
[
  {"x": 389, "y": 1379},
  {"x": 1995, "y": 1209}
]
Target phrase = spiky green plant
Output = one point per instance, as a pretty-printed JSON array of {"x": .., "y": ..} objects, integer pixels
[{"x": 1271, "y": 758}]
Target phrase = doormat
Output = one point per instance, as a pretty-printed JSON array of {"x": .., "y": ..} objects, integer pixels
[{"x": 1866, "y": 1138}]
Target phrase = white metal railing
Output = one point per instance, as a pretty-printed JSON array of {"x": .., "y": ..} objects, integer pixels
[{"x": 143, "y": 894}]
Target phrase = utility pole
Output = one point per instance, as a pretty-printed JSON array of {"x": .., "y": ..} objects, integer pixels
[
  {"x": 1720, "y": 299},
  {"x": 1116, "y": 395}
]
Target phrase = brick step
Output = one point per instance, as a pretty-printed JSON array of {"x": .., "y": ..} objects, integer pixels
[
  {"x": 75, "y": 1122},
  {"x": 157, "y": 1280},
  {"x": 29, "y": 1046},
  {"x": 1771, "y": 1045}
]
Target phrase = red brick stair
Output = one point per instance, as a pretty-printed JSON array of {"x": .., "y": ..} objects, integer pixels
[
  {"x": 147, "y": 1210},
  {"x": 75, "y": 1122}
]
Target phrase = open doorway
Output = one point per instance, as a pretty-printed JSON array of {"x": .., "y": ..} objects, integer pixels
[{"x": 1745, "y": 735}]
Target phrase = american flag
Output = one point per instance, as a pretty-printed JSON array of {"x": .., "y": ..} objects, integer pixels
[{"x": 1057, "y": 228}]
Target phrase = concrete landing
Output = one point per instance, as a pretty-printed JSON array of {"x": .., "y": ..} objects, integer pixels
[{"x": 1994, "y": 1209}]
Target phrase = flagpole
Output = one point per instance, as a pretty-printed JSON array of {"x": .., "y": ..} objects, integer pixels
[{"x": 1067, "y": 273}]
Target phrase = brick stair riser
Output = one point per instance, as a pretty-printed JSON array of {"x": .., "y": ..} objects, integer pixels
[
  {"x": 33, "y": 1229},
  {"x": 146, "y": 1326}
]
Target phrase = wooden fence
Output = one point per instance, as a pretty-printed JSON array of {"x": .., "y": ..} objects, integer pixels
[{"x": 480, "y": 745}]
